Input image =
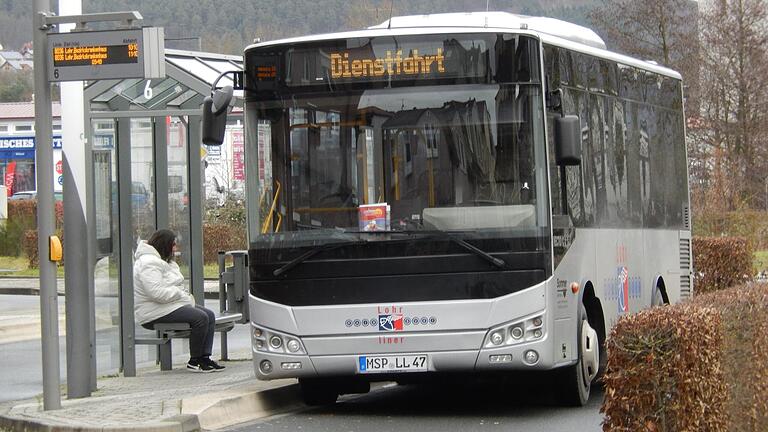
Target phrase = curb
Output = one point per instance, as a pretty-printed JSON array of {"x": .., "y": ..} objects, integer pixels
[
  {"x": 24, "y": 291},
  {"x": 244, "y": 407},
  {"x": 199, "y": 413},
  {"x": 180, "y": 423}
]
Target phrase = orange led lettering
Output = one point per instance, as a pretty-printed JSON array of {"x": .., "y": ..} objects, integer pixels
[{"x": 392, "y": 64}]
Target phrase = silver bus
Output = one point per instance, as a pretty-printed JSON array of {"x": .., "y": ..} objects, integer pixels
[{"x": 453, "y": 193}]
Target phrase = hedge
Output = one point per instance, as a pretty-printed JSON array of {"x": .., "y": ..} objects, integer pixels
[
  {"x": 744, "y": 323},
  {"x": 664, "y": 372},
  {"x": 720, "y": 262},
  {"x": 221, "y": 237},
  {"x": 701, "y": 365}
]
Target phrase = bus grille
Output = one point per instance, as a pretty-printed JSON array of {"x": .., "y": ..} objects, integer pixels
[
  {"x": 685, "y": 268},
  {"x": 686, "y": 217}
]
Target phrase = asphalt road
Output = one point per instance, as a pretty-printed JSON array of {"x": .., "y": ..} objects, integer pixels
[{"x": 429, "y": 407}]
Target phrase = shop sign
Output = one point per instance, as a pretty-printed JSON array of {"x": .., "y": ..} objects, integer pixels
[{"x": 16, "y": 143}]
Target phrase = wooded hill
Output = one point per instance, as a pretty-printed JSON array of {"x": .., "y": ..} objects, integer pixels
[{"x": 227, "y": 26}]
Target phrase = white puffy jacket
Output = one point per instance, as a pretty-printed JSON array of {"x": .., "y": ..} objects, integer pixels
[{"x": 158, "y": 286}]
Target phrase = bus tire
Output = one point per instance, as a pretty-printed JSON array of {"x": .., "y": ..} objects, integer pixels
[
  {"x": 575, "y": 381},
  {"x": 317, "y": 392},
  {"x": 659, "y": 297}
]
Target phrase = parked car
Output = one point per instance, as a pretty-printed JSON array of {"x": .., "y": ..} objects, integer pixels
[{"x": 24, "y": 195}]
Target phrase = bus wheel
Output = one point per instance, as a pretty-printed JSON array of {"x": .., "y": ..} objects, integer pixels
[
  {"x": 659, "y": 298},
  {"x": 576, "y": 380},
  {"x": 316, "y": 391}
]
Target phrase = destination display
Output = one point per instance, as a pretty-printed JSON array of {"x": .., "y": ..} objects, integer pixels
[
  {"x": 112, "y": 54},
  {"x": 393, "y": 63},
  {"x": 391, "y": 59}
]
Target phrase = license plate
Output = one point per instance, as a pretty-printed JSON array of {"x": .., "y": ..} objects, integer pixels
[{"x": 397, "y": 363}]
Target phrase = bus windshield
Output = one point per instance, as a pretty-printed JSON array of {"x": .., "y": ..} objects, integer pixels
[{"x": 463, "y": 154}]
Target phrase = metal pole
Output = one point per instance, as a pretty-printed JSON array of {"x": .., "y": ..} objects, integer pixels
[
  {"x": 49, "y": 302},
  {"x": 195, "y": 180},
  {"x": 79, "y": 268},
  {"x": 160, "y": 172},
  {"x": 222, "y": 261},
  {"x": 126, "y": 243}
]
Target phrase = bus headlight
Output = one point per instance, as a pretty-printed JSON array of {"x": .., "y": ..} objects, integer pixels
[
  {"x": 516, "y": 332},
  {"x": 497, "y": 338},
  {"x": 293, "y": 345},
  {"x": 275, "y": 342},
  {"x": 265, "y": 367},
  {"x": 531, "y": 357}
]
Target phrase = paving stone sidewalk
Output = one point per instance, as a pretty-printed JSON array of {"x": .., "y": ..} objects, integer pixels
[{"x": 177, "y": 400}]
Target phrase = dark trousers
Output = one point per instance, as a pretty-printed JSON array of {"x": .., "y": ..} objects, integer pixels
[{"x": 201, "y": 322}]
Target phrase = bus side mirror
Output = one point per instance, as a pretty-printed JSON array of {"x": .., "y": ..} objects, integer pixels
[
  {"x": 568, "y": 140},
  {"x": 215, "y": 116}
]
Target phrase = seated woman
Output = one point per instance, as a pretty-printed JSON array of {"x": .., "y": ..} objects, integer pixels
[{"x": 162, "y": 298}]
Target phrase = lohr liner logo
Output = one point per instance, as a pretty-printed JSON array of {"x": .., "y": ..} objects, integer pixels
[
  {"x": 623, "y": 275},
  {"x": 391, "y": 322}
]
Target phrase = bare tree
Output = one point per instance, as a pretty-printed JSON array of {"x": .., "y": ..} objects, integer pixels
[
  {"x": 735, "y": 98},
  {"x": 664, "y": 31}
]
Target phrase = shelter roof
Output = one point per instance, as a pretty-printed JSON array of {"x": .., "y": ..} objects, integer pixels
[{"x": 189, "y": 76}]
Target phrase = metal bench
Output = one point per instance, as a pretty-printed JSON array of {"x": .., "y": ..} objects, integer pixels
[
  {"x": 233, "y": 307},
  {"x": 165, "y": 332}
]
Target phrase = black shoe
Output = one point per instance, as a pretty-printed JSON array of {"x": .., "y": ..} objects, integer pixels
[
  {"x": 211, "y": 363},
  {"x": 201, "y": 365}
]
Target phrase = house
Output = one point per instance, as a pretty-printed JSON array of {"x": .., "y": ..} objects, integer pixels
[
  {"x": 26, "y": 51},
  {"x": 14, "y": 61}
]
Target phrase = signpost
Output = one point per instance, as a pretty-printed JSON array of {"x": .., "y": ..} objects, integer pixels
[{"x": 85, "y": 55}]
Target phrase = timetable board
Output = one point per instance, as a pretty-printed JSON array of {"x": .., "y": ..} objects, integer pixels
[{"x": 111, "y": 54}]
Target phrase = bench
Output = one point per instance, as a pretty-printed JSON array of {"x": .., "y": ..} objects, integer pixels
[{"x": 165, "y": 332}]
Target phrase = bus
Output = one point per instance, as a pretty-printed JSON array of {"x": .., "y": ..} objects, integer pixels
[{"x": 457, "y": 193}]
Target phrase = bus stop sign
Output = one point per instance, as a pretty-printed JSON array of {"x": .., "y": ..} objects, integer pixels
[{"x": 111, "y": 54}]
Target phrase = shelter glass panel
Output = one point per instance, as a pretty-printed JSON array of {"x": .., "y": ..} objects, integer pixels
[
  {"x": 106, "y": 275},
  {"x": 142, "y": 208},
  {"x": 178, "y": 188}
]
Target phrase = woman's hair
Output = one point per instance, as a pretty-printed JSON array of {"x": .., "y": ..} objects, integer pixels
[{"x": 162, "y": 240}]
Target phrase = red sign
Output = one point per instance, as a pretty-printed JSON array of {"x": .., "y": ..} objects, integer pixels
[
  {"x": 238, "y": 155},
  {"x": 10, "y": 175},
  {"x": 59, "y": 168}
]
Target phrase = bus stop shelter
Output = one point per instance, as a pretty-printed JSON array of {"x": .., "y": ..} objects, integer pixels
[{"x": 148, "y": 167}]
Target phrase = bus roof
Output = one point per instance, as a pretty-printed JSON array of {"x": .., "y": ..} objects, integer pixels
[{"x": 549, "y": 30}]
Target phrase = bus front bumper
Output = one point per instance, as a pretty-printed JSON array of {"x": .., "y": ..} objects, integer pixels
[{"x": 269, "y": 366}]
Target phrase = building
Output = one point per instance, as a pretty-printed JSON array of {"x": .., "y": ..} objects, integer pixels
[
  {"x": 15, "y": 61},
  {"x": 17, "y": 146}
]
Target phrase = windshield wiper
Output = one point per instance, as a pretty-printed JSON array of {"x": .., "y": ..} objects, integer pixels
[
  {"x": 312, "y": 252},
  {"x": 498, "y": 262}
]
